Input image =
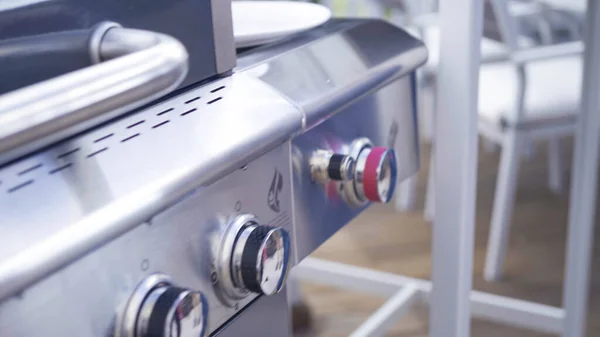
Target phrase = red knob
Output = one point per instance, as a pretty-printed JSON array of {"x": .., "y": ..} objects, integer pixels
[{"x": 379, "y": 175}]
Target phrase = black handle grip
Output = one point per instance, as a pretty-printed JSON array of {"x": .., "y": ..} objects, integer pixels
[{"x": 28, "y": 60}]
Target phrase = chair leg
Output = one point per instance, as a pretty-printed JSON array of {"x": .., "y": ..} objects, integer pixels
[
  {"x": 489, "y": 146},
  {"x": 429, "y": 212},
  {"x": 504, "y": 199},
  {"x": 430, "y": 193},
  {"x": 405, "y": 199},
  {"x": 555, "y": 166},
  {"x": 527, "y": 148}
]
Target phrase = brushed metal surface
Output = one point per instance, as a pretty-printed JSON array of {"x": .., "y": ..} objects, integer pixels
[
  {"x": 388, "y": 118},
  {"x": 84, "y": 298},
  {"x": 328, "y": 68},
  {"x": 80, "y": 194},
  {"x": 224, "y": 42},
  {"x": 268, "y": 317}
]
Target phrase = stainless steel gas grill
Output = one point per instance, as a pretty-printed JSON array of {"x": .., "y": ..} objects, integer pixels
[{"x": 183, "y": 217}]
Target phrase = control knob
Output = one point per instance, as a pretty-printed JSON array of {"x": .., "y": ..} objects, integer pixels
[
  {"x": 260, "y": 259},
  {"x": 254, "y": 258},
  {"x": 159, "y": 309},
  {"x": 375, "y": 174}
]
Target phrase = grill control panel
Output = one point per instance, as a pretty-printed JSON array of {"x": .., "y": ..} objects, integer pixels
[{"x": 184, "y": 272}]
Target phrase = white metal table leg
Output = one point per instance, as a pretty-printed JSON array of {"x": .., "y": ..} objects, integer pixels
[
  {"x": 584, "y": 182},
  {"x": 407, "y": 193},
  {"x": 389, "y": 314},
  {"x": 455, "y": 167},
  {"x": 491, "y": 307}
]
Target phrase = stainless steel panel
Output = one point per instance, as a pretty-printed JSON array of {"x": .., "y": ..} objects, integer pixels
[
  {"x": 83, "y": 298},
  {"x": 267, "y": 317},
  {"x": 388, "y": 118},
  {"x": 328, "y": 68},
  {"x": 80, "y": 194},
  {"x": 224, "y": 43}
]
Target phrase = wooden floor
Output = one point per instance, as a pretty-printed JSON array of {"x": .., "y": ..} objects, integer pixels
[{"x": 400, "y": 243}]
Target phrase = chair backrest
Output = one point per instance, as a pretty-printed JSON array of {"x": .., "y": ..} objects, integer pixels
[{"x": 507, "y": 25}]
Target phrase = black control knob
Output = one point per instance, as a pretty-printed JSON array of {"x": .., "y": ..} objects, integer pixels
[
  {"x": 326, "y": 165},
  {"x": 170, "y": 311},
  {"x": 260, "y": 261}
]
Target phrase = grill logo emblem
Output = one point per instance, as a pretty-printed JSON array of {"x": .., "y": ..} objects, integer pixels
[{"x": 274, "y": 190}]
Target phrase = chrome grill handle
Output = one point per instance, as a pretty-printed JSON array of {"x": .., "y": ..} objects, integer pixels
[{"x": 131, "y": 68}]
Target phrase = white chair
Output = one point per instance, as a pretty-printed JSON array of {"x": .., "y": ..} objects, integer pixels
[
  {"x": 422, "y": 22},
  {"x": 491, "y": 51},
  {"x": 534, "y": 96}
]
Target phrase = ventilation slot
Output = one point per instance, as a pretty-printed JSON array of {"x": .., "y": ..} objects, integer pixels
[
  {"x": 188, "y": 112},
  {"x": 33, "y": 168},
  {"x": 70, "y": 158},
  {"x": 160, "y": 124},
  {"x": 164, "y": 112},
  {"x": 20, "y": 186},
  {"x": 60, "y": 168},
  {"x": 129, "y": 138},
  {"x": 217, "y": 89},
  {"x": 103, "y": 138},
  {"x": 214, "y": 100},
  {"x": 68, "y": 153},
  {"x": 97, "y": 152},
  {"x": 136, "y": 124},
  {"x": 192, "y": 100}
]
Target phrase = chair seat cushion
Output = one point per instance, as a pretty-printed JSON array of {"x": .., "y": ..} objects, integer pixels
[
  {"x": 553, "y": 90},
  {"x": 431, "y": 38}
]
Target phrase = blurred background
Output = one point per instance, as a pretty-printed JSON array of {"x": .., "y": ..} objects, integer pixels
[{"x": 396, "y": 237}]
